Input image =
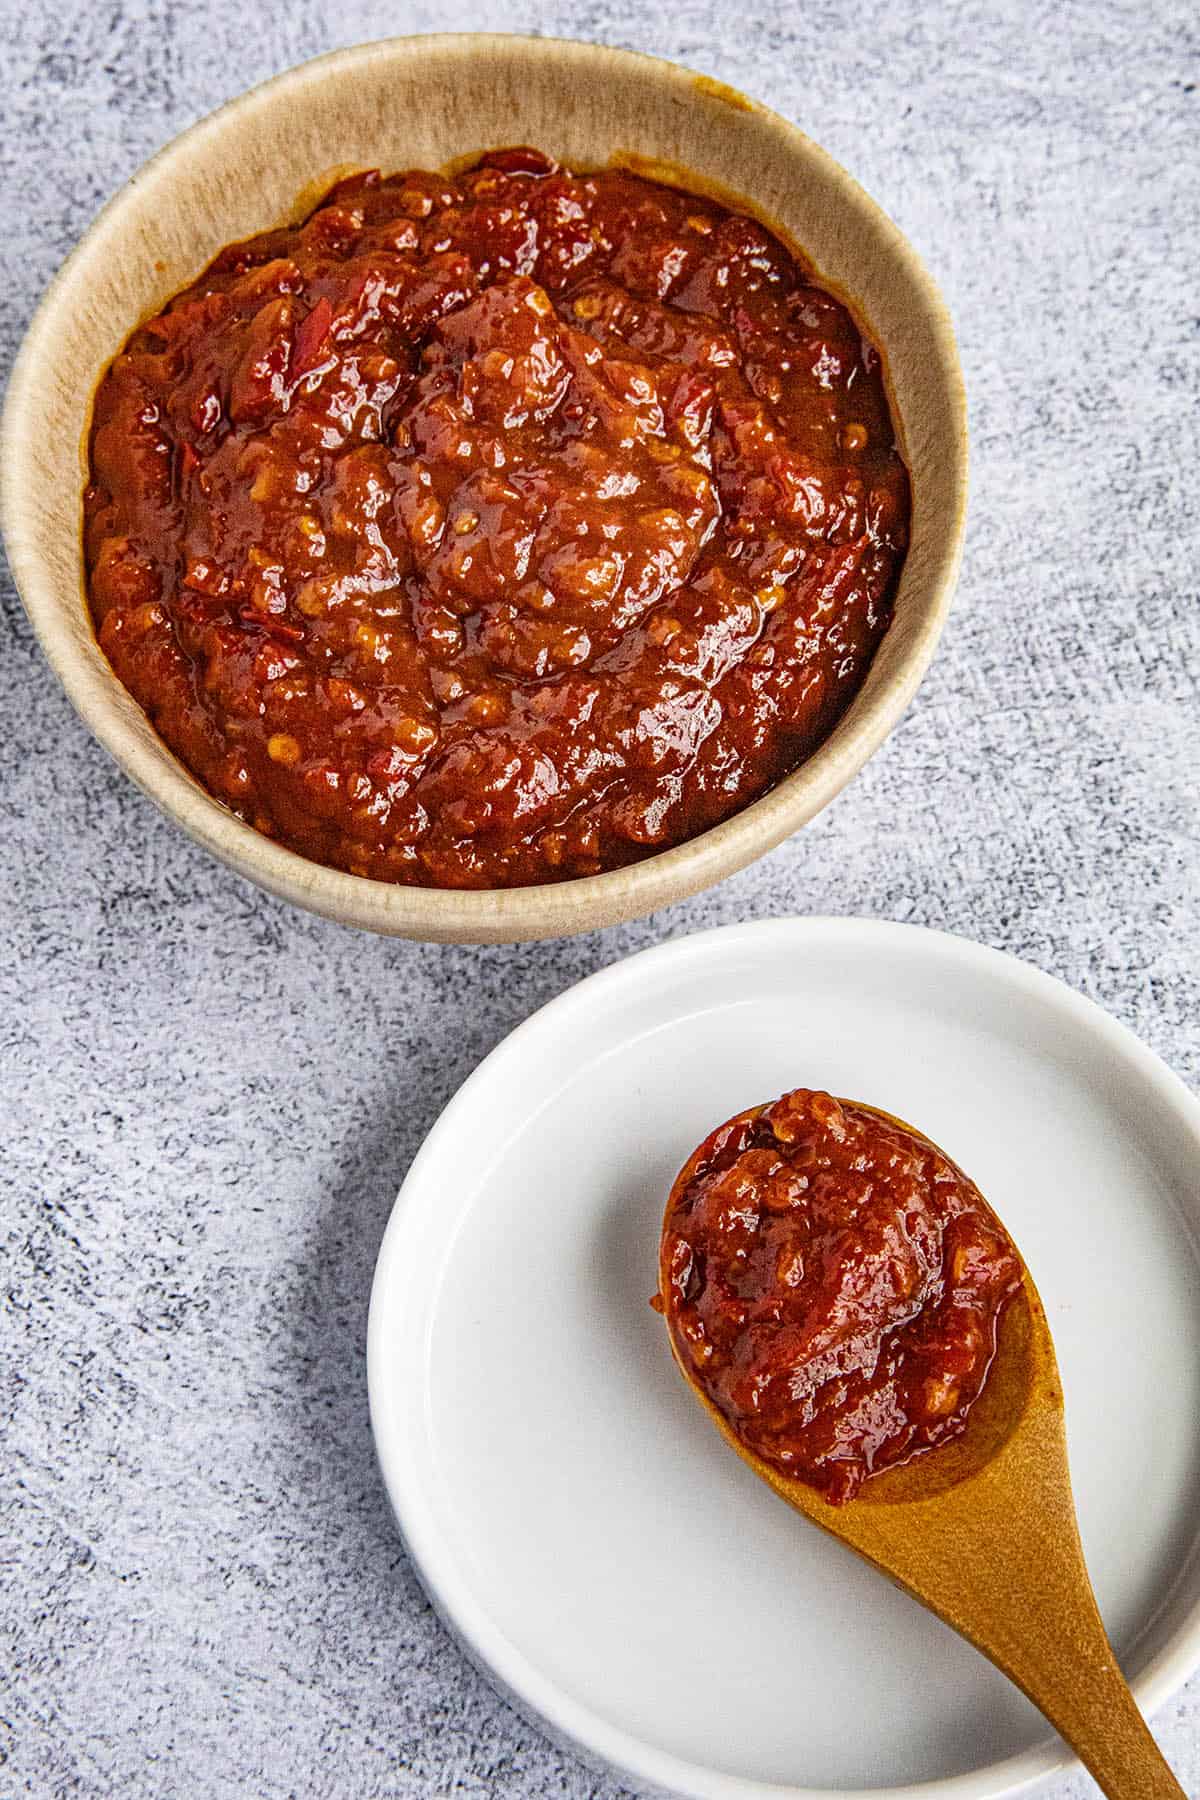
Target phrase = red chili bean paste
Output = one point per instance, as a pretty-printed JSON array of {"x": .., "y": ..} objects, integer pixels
[
  {"x": 495, "y": 529},
  {"x": 835, "y": 1286}
]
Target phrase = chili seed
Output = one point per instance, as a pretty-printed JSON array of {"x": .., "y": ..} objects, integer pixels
[{"x": 283, "y": 748}]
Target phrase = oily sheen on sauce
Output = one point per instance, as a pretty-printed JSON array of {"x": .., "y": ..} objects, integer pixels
[
  {"x": 834, "y": 1284},
  {"x": 499, "y": 529}
]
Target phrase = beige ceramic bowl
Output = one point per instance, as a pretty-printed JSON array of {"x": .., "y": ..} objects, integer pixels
[{"x": 429, "y": 101}]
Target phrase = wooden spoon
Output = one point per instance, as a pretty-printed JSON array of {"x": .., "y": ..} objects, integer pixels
[{"x": 982, "y": 1530}]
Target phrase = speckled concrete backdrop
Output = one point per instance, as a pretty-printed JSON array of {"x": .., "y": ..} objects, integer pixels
[{"x": 202, "y": 1592}]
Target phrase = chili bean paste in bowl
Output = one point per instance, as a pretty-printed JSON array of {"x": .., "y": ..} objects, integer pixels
[
  {"x": 834, "y": 1285},
  {"x": 497, "y": 529}
]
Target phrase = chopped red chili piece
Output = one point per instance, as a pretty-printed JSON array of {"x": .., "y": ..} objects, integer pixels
[{"x": 310, "y": 338}]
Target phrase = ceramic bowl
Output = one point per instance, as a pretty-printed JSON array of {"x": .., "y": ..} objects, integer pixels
[{"x": 429, "y": 101}]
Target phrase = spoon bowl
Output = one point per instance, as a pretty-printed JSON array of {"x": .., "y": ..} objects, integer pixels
[{"x": 982, "y": 1531}]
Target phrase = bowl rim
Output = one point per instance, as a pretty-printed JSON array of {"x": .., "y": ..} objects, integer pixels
[
  {"x": 488, "y": 915},
  {"x": 571, "y": 1722}
]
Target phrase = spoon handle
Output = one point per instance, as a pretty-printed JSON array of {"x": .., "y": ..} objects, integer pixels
[
  {"x": 1025, "y": 1599},
  {"x": 1085, "y": 1696},
  {"x": 1118, "y": 1749},
  {"x": 1000, "y": 1560}
]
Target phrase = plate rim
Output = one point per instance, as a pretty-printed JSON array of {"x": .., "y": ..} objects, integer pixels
[{"x": 568, "y": 1722}]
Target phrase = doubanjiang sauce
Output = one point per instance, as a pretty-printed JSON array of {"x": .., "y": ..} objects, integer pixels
[
  {"x": 496, "y": 529},
  {"x": 834, "y": 1285}
]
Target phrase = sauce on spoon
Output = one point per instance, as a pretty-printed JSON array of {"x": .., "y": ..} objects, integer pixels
[
  {"x": 842, "y": 1299},
  {"x": 834, "y": 1285}
]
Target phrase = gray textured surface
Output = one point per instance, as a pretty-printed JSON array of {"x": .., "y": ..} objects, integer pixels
[{"x": 202, "y": 1592}]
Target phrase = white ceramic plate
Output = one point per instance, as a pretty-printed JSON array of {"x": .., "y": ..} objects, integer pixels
[{"x": 572, "y": 1512}]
